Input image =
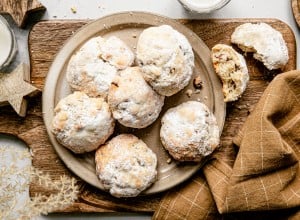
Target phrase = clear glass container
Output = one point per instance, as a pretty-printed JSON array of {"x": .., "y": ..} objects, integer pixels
[
  {"x": 203, "y": 6},
  {"x": 8, "y": 44}
]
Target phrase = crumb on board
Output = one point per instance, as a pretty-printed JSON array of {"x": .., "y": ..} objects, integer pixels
[
  {"x": 197, "y": 82},
  {"x": 197, "y": 91},
  {"x": 189, "y": 93},
  {"x": 74, "y": 10},
  {"x": 169, "y": 160}
]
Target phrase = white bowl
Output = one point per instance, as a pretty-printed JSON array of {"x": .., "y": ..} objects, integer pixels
[
  {"x": 7, "y": 43},
  {"x": 203, "y": 6}
]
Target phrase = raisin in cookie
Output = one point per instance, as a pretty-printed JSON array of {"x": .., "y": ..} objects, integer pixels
[
  {"x": 82, "y": 123},
  {"x": 231, "y": 68},
  {"x": 132, "y": 101},
  {"x": 166, "y": 58},
  {"x": 125, "y": 166},
  {"x": 189, "y": 132}
]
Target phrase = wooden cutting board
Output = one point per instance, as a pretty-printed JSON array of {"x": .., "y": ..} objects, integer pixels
[
  {"x": 47, "y": 37},
  {"x": 296, "y": 11}
]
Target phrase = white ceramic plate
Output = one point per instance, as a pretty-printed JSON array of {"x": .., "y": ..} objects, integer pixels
[{"x": 127, "y": 26}]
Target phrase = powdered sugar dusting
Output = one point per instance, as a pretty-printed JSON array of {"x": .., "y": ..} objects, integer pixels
[
  {"x": 267, "y": 44},
  {"x": 126, "y": 166},
  {"x": 166, "y": 58},
  {"x": 82, "y": 123},
  {"x": 189, "y": 131}
]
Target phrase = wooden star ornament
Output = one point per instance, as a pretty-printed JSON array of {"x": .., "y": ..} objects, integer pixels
[
  {"x": 13, "y": 89},
  {"x": 20, "y": 9}
]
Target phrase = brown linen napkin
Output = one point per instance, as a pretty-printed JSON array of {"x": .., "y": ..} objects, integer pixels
[{"x": 265, "y": 173}]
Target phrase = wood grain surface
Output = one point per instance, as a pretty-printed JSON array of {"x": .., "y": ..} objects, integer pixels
[
  {"x": 20, "y": 9},
  {"x": 296, "y": 10},
  {"x": 47, "y": 38}
]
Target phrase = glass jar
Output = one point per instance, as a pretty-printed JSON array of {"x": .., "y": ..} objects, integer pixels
[
  {"x": 203, "y": 6},
  {"x": 8, "y": 44}
]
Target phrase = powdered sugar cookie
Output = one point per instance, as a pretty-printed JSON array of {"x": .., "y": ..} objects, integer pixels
[
  {"x": 82, "y": 123},
  {"x": 125, "y": 166},
  {"x": 166, "y": 58},
  {"x": 189, "y": 132}
]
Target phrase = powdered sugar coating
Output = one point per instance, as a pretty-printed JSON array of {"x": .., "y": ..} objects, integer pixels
[
  {"x": 232, "y": 69},
  {"x": 125, "y": 166},
  {"x": 189, "y": 132},
  {"x": 267, "y": 44},
  {"x": 116, "y": 52},
  {"x": 132, "y": 101},
  {"x": 87, "y": 72},
  {"x": 166, "y": 58},
  {"x": 82, "y": 123}
]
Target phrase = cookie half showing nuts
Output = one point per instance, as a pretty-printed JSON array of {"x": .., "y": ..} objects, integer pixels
[
  {"x": 189, "y": 132},
  {"x": 81, "y": 123},
  {"x": 132, "y": 101},
  {"x": 126, "y": 166},
  {"x": 232, "y": 69},
  {"x": 266, "y": 43},
  {"x": 166, "y": 58}
]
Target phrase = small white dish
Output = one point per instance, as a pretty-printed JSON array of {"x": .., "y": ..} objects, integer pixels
[{"x": 203, "y": 6}]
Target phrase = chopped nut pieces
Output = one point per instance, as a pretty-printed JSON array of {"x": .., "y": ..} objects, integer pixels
[
  {"x": 189, "y": 93},
  {"x": 198, "y": 82}
]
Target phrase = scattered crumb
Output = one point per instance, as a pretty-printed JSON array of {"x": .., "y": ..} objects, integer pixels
[
  {"x": 241, "y": 107},
  {"x": 169, "y": 160},
  {"x": 134, "y": 35},
  {"x": 31, "y": 151},
  {"x": 74, "y": 10},
  {"x": 101, "y": 7},
  {"x": 197, "y": 82},
  {"x": 197, "y": 91},
  {"x": 199, "y": 100},
  {"x": 189, "y": 93},
  {"x": 205, "y": 97}
]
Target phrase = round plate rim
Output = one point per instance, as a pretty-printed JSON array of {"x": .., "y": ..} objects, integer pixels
[{"x": 64, "y": 52}]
